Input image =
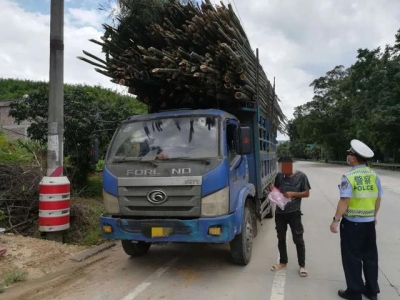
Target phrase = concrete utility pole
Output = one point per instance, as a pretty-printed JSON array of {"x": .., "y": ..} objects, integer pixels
[
  {"x": 56, "y": 94},
  {"x": 56, "y": 98}
]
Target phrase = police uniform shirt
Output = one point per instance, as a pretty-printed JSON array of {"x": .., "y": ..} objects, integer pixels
[{"x": 346, "y": 191}]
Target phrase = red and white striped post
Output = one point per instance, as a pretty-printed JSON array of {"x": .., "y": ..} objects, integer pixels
[
  {"x": 54, "y": 204},
  {"x": 55, "y": 135}
]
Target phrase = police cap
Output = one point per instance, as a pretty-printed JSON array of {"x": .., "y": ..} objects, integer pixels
[{"x": 360, "y": 149}]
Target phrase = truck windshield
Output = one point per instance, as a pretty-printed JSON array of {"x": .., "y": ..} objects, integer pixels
[{"x": 172, "y": 138}]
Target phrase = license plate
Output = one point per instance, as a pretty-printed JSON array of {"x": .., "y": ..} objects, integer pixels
[{"x": 160, "y": 231}]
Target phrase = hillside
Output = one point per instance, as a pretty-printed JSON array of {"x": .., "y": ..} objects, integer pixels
[{"x": 15, "y": 88}]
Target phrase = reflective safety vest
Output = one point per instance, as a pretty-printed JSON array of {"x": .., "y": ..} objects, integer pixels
[{"x": 365, "y": 192}]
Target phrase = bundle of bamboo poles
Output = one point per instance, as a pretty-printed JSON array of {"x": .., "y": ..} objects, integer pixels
[{"x": 196, "y": 57}]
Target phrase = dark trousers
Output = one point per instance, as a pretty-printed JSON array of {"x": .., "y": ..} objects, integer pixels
[
  {"x": 294, "y": 221},
  {"x": 359, "y": 252}
]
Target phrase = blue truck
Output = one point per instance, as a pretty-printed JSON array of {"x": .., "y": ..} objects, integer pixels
[
  {"x": 196, "y": 168},
  {"x": 190, "y": 176}
]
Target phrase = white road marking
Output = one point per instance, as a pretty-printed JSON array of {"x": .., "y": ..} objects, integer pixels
[
  {"x": 165, "y": 268},
  {"x": 140, "y": 288},
  {"x": 278, "y": 285},
  {"x": 147, "y": 282}
]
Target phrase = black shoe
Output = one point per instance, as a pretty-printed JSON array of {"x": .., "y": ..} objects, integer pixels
[
  {"x": 343, "y": 294},
  {"x": 370, "y": 297}
]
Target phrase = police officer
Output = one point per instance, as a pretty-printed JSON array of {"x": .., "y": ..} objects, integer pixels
[{"x": 360, "y": 198}]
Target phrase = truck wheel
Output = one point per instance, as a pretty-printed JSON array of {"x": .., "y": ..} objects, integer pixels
[
  {"x": 242, "y": 245},
  {"x": 135, "y": 249},
  {"x": 272, "y": 208}
]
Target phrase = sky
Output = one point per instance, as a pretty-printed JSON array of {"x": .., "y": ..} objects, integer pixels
[{"x": 298, "y": 40}]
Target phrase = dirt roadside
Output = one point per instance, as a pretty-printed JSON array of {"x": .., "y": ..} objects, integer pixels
[
  {"x": 51, "y": 273},
  {"x": 35, "y": 256}
]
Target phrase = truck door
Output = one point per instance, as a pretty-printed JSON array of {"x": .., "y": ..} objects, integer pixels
[{"x": 237, "y": 167}]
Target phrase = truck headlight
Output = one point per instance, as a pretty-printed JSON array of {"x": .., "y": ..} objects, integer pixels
[
  {"x": 216, "y": 204},
  {"x": 111, "y": 203}
]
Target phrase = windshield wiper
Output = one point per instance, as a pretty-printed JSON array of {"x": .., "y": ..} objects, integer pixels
[
  {"x": 207, "y": 161},
  {"x": 126, "y": 159},
  {"x": 134, "y": 159},
  {"x": 150, "y": 156}
]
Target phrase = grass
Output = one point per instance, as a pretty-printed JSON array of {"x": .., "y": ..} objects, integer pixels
[
  {"x": 93, "y": 234},
  {"x": 85, "y": 230},
  {"x": 94, "y": 187},
  {"x": 85, "y": 213},
  {"x": 16, "y": 275},
  {"x": 86, "y": 209}
]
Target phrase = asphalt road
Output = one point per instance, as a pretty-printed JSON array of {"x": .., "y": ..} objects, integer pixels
[{"x": 180, "y": 272}]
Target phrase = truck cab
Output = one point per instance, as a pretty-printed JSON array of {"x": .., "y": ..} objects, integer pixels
[{"x": 187, "y": 176}]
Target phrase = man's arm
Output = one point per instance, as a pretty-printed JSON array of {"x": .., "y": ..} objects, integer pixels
[
  {"x": 346, "y": 192},
  {"x": 162, "y": 155},
  {"x": 378, "y": 201},
  {"x": 304, "y": 194},
  {"x": 305, "y": 187},
  {"x": 342, "y": 207},
  {"x": 377, "y": 205}
]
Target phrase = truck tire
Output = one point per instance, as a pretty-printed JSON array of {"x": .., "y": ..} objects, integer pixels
[
  {"x": 135, "y": 249},
  {"x": 272, "y": 209},
  {"x": 242, "y": 245}
]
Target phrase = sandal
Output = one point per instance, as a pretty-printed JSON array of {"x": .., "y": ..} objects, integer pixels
[
  {"x": 278, "y": 267},
  {"x": 303, "y": 272}
]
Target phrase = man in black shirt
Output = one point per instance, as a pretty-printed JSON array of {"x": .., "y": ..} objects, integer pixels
[
  {"x": 146, "y": 147},
  {"x": 294, "y": 186}
]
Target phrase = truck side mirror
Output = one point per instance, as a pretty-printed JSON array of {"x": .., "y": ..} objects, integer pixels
[
  {"x": 246, "y": 141},
  {"x": 95, "y": 152}
]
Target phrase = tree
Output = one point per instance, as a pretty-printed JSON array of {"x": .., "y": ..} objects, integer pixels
[
  {"x": 15, "y": 89},
  {"x": 362, "y": 102},
  {"x": 89, "y": 112},
  {"x": 283, "y": 149}
]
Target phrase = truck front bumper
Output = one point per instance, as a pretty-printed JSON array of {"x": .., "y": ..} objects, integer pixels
[{"x": 170, "y": 230}]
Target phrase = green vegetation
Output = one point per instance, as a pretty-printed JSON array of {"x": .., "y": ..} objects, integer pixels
[
  {"x": 362, "y": 102},
  {"x": 94, "y": 187},
  {"x": 283, "y": 149},
  {"x": 17, "y": 151},
  {"x": 100, "y": 165},
  {"x": 16, "y": 275},
  {"x": 89, "y": 112},
  {"x": 15, "y": 89},
  {"x": 84, "y": 230}
]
